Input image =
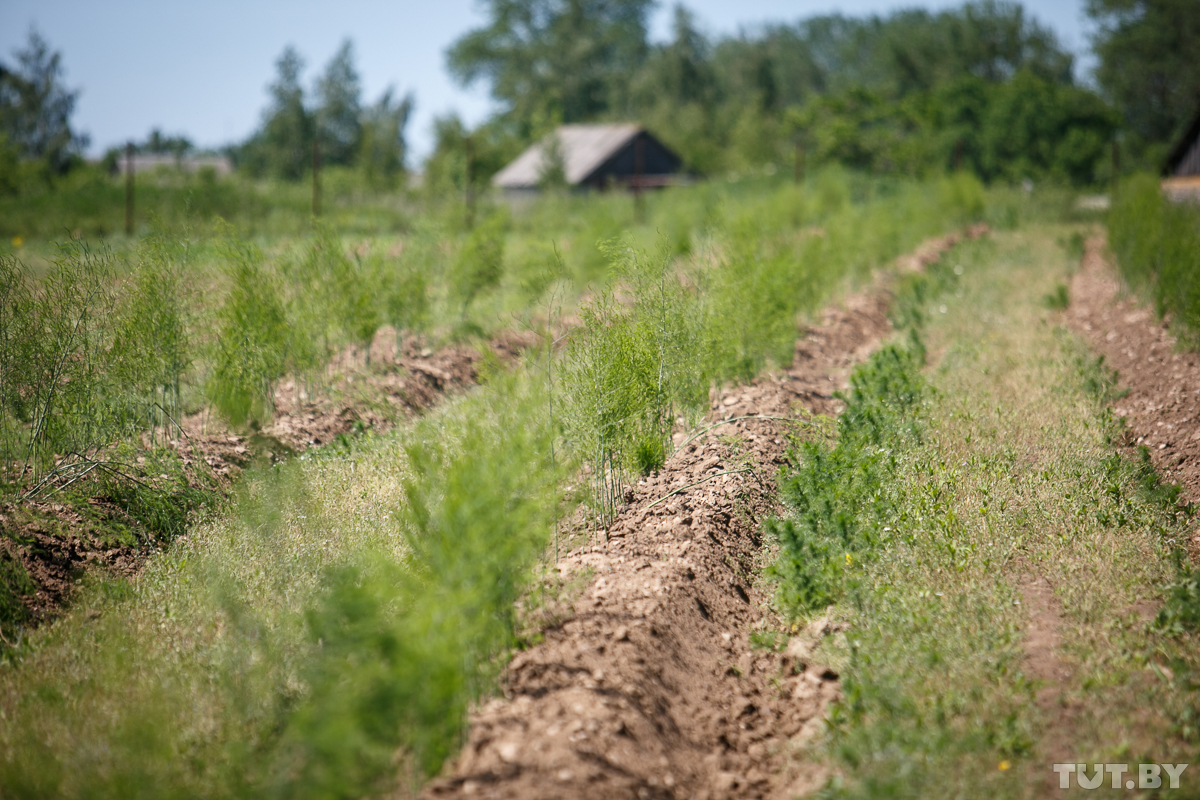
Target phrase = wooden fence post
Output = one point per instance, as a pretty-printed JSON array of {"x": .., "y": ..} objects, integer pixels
[
  {"x": 316, "y": 169},
  {"x": 639, "y": 169},
  {"x": 469, "y": 154},
  {"x": 129, "y": 188}
]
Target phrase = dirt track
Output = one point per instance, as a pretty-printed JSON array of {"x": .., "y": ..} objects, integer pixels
[{"x": 651, "y": 687}]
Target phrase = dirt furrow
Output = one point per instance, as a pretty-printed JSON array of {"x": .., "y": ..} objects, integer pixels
[
  {"x": 652, "y": 688},
  {"x": 1161, "y": 406},
  {"x": 55, "y": 543}
]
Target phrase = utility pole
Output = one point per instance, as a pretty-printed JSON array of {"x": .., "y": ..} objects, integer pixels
[
  {"x": 639, "y": 169},
  {"x": 316, "y": 169},
  {"x": 469, "y": 154},
  {"x": 129, "y": 188}
]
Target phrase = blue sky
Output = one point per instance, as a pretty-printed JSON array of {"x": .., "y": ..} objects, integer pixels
[{"x": 202, "y": 68}]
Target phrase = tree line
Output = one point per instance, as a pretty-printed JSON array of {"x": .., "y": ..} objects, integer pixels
[
  {"x": 333, "y": 117},
  {"x": 982, "y": 86}
]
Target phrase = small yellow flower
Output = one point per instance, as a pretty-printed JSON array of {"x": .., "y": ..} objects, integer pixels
[
  {"x": 849, "y": 560},
  {"x": 18, "y": 241},
  {"x": 1004, "y": 765}
]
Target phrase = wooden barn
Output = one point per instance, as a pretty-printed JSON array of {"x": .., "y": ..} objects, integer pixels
[
  {"x": 1181, "y": 174},
  {"x": 595, "y": 157}
]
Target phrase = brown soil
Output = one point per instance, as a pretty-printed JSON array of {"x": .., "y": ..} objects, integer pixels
[
  {"x": 1162, "y": 407},
  {"x": 1044, "y": 665},
  {"x": 56, "y": 543},
  {"x": 650, "y": 687},
  {"x": 401, "y": 380}
]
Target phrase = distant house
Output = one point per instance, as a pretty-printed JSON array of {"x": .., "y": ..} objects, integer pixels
[
  {"x": 596, "y": 157},
  {"x": 1181, "y": 174},
  {"x": 148, "y": 162}
]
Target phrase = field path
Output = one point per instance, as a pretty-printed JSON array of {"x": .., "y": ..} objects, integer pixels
[{"x": 652, "y": 688}]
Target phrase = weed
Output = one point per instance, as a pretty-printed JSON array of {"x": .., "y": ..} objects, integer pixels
[
  {"x": 1058, "y": 299},
  {"x": 1010, "y": 474}
]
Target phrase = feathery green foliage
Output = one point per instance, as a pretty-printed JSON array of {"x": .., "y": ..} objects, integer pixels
[
  {"x": 254, "y": 344},
  {"x": 280, "y": 666},
  {"x": 479, "y": 265},
  {"x": 152, "y": 349},
  {"x": 835, "y": 494},
  {"x": 637, "y": 358},
  {"x": 406, "y": 646}
]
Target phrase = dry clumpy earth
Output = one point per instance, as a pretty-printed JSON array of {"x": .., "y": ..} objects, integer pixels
[
  {"x": 1162, "y": 405},
  {"x": 650, "y": 687},
  {"x": 55, "y": 543}
]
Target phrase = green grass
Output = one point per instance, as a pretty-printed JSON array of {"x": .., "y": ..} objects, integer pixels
[
  {"x": 1157, "y": 245},
  {"x": 326, "y": 634},
  {"x": 348, "y": 607},
  {"x": 1003, "y": 470}
]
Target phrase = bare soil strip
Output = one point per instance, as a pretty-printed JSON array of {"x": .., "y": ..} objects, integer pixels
[
  {"x": 1162, "y": 407},
  {"x": 1053, "y": 676},
  {"x": 652, "y": 688}
]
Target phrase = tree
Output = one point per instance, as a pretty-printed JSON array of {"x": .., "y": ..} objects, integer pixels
[
  {"x": 159, "y": 143},
  {"x": 1148, "y": 64},
  {"x": 382, "y": 150},
  {"x": 36, "y": 108},
  {"x": 680, "y": 70},
  {"x": 488, "y": 148},
  {"x": 282, "y": 148},
  {"x": 1035, "y": 127},
  {"x": 339, "y": 108},
  {"x": 551, "y": 60},
  {"x": 676, "y": 91}
]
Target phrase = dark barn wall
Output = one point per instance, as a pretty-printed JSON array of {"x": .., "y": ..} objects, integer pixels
[
  {"x": 1189, "y": 163},
  {"x": 622, "y": 165},
  {"x": 1184, "y": 160}
]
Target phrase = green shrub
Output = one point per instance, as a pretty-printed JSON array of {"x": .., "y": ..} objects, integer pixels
[
  {"x": 1157, "y": 245},
  {"x": 152, "y": 348},
  {"x": 254, "y": 343},
  {"x": 405, "y": 648},
  {"x": 74, "y": 399},
  {"x": 479, "y": 265},
  {"x": 835, "y": 494}
]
